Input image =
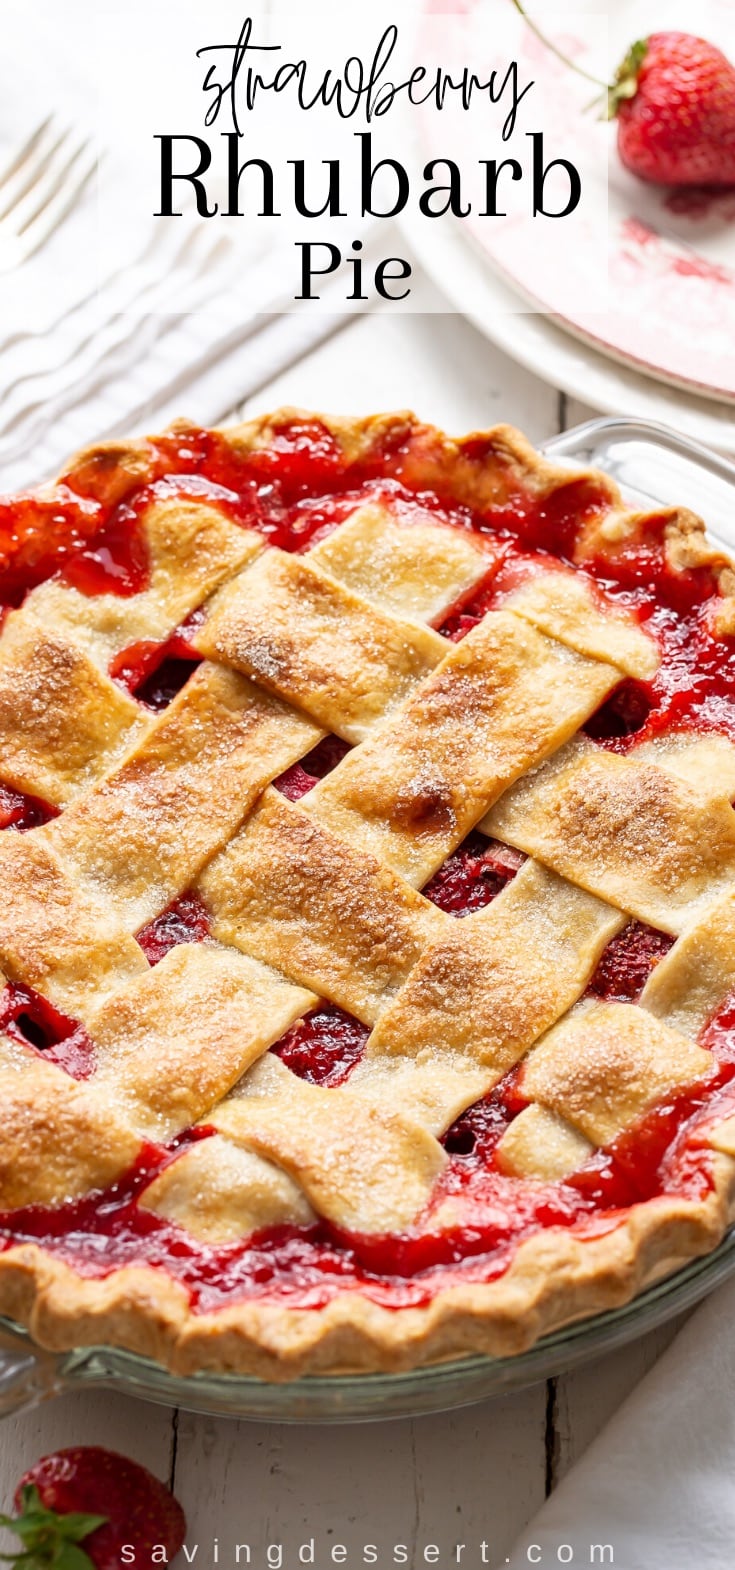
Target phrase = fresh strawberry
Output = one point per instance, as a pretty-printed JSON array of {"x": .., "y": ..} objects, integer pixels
[
  {"x": 674, "y": 99},
  {"x": 78, "y": 1507}
]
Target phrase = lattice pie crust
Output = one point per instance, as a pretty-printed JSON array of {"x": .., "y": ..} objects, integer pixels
[{"x": 320, "y": 899}]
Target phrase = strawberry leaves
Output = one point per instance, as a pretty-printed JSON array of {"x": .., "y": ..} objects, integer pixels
[
  {"x": 625, "y": 85},
  {"x": 49, "y": 1539},
  {"x": 78, "y": 1508}
]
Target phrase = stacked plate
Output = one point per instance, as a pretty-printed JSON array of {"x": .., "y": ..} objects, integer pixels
[{"x": 662, "y": 347}]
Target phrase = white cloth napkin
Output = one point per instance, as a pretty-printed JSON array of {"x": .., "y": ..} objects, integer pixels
[{"x": 658, "y": 1483}]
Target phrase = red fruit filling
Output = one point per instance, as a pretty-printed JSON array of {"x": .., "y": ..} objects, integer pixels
[
  {"x": 625, "y": 713},
  {"x": 627, "y": 962},
  {"x": 185, "y": 920},
  {"x": 323, "y": 1046},
  {"x": 37, "y": 536},
  {"x": 477, "y": 1132},
  {"x": 114, "y": 562},
  {"x": 30, "y": 1019},
  {"x": 20, "y": 811},
  {"x": 473, "y": 875},
  {"x": 163, "y": 685},
  {"x": 303, "y": 776},
  {"x": 155, "y": 672},
  {"x": 663, "y": 1152}
]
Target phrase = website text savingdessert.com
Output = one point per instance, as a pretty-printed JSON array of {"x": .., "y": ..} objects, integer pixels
[{"x": 278, "y": 1556}]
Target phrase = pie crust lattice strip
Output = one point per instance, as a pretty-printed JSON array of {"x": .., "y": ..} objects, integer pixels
[{"x": 431, "y": 1049}]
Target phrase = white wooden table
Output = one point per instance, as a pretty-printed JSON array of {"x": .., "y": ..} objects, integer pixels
[{"x": 472, "y": 1476}]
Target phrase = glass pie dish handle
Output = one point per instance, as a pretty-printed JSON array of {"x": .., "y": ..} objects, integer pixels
[
  {"x": 655, "y": 466},
  {"x": 28, "y": 1375}
]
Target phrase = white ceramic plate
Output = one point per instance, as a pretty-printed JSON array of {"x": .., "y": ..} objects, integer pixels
[{"x": 477, "y": 291}]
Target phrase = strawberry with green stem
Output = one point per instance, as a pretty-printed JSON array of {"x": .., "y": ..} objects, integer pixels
[
  {"x": 79, "y": 1507},
  {"x": 674, "y": 100}
]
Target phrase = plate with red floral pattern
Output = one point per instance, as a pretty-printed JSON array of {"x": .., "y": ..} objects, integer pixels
[{"x": 643, "y": 273}]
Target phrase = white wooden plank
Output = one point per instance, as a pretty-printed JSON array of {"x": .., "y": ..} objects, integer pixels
[
  {"x": 576, "y": 413},
  {"x": 461, "y": 1477},
  {"x": 480, "y": 1474},
  {"x": 588, "y": 1397}
]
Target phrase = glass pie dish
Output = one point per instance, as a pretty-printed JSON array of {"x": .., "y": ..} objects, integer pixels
[{"x": 652, "y": 466}]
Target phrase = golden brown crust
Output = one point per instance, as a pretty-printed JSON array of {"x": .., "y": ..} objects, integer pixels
[
  {"x": 51, "y": 936},
  {"x": 603, "y": 1067},
  {"x": 500, "y": 701},
  {"x": 76, "y": 722},
  {"x": 305, "y": 637},
  {"x": 631, "y": 832},
  {"x": 496, "y": 980},
  {"x": 562, "y": 604},
  {"x": 413, "y": 572},
  {"x": 336, "y": 920},
  {"x": 220, "y": 1192},
  {"x": 554, "y": 1277},
  {"x": 365, "y": 1167},
  {"x": 57, "y": 1140},
  {"x": 228, "y": 1010},
  {"x": 139, "y": 836},
  {"x": 189, "y": 548}
]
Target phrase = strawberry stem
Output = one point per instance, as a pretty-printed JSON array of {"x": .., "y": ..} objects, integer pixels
[
  {"x": 625, "y": 85},
  {"x": 604, "y": 86},
  {"x": 50, "y": 1539}
]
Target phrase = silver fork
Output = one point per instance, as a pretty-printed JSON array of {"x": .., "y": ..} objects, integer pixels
[{"x": 38, "y": 187}]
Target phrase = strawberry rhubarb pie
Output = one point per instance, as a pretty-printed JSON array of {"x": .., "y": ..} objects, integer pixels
[{"x": 367, "y": 916}]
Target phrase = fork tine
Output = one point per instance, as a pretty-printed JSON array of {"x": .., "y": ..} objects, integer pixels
[
  {"x": 54, "y": 177},
  {"x": 17, "y": 158},
  {"x": 43, "y": 225},
  {"x": 45, "y": 147}
]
